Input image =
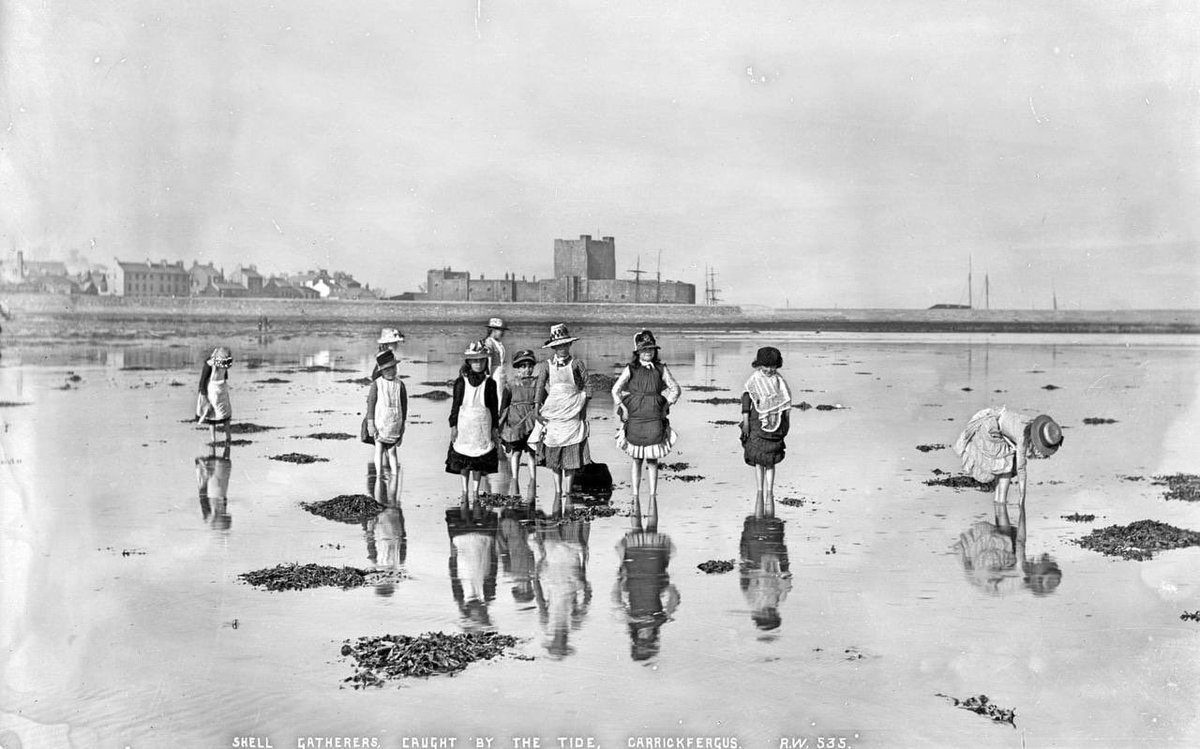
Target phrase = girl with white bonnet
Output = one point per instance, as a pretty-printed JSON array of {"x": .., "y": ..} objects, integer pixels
[
  {"x": 997, "y": 443},
  {"x": 212, "y": 403},
  {"x": 766, "y": 409},
  {"x": 389, "y": 340}
]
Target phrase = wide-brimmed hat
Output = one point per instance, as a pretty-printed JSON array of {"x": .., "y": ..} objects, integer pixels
[
  {"x": 385, "y": 360},
  {"x": 1045, "y": 434},
  {"x": 497, "y": 323},
  {"x": 644, "y": 341},
  {"x": 221, "y": 356},
  {"x": 559, "y": 336},
  {"x": 768, "y": 356},
  {"x": 476, "y": 350},
  {"x": 522, "y": 356},
  {"x": 391, "y": 335}
]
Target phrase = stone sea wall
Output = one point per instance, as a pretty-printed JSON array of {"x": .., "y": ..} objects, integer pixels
[{"x": 280, "y": 311}]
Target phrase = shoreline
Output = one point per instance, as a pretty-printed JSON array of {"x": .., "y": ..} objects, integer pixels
[{"x": 727, "y": 317}]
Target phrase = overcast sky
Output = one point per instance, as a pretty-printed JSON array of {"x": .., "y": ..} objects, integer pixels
[{"x": 855, "y": 153}]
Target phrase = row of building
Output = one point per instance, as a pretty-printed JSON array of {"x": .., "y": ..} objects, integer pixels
[
  {"x": 173, "y": 279},
  {"x": 585, "y": 270}
]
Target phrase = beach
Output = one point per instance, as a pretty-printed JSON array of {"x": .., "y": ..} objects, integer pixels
[{"x": 137, "y": 630}]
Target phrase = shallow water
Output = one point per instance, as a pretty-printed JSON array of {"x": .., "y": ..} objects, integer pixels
[{"x": 126, "y": 577}]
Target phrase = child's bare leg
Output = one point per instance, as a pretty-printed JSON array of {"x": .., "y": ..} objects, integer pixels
[
  {"x": 532, "y": 460},
  {"x": 769, "y": 480},
  {"x": 1002, "y": 485},
  {"x": 568, "y": 477},
  {"x": 635, "y": 477},
  {"x": 514, "y": 467},
  {"x": 652, "y": 513},
  {"x": 228, "y": 432},
  {"x": 652, "y": 466},
  {"x": 759, "y": 478}
]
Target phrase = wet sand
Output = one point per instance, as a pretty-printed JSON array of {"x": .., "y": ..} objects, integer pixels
[{"x": 136, "y": 629}]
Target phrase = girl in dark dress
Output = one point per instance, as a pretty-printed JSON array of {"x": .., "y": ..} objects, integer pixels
[
  {"x": 766, "y": 407},
  {"x": 642, "y": 397}
]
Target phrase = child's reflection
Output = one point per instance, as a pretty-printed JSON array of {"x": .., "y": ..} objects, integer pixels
[
  {"x": 994, "y": 557},
  {"x": 643, "y": 591},
  {"x": 473, "y": 564},
  {"x": 212, "y": 480},
  {"x": 563, "y": 591},
  {"x": 765, "y": 578}
]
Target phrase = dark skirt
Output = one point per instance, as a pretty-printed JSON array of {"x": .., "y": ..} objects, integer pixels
[
  {"x": 457, "y": 463},
  {"x": 565, "y": 458},
  {"x": 761, "y": 448}
]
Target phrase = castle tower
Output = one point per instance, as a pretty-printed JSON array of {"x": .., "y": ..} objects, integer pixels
[{"x": 585, "y": 258}]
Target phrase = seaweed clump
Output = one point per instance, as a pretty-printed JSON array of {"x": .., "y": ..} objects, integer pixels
[
  {"x": 928, "y": 448},
  {"x": 1190, "y": 616},
  {"x": 302, "y": 577},
  {"x": 1099, "y": 420},
  {"x": 298, "y": 458},
  {"x": 1075, "y": 517},
  {"x": 1138, "y": 541},
  {"x": 959, "y": 481},
  {"x": 1185, "y": 486},
  {"x": 981, "y": 705},
  {"x": 714, "y": 566},
  {"x": 792, "y": 501},
  {"x": 344, "y": 508},
  {"x": 327, "y": 436},
  {"x": 590, "y": 512},
  {"x": 378, "y": 659}
]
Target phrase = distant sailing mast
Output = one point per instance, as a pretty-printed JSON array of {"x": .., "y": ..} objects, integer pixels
[
  {"x": 987, "y": 293},
  {"x": 637, "y": 283},
  {"x": 970, "y": 286},
  {"x": 1053, "y": 295},
  {"x": 710, "y": 286}
]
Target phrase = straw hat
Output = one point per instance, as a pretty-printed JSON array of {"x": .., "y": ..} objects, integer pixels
[
  {"x": 391, "y": 335},
  {"x": 497, "y": 323},
  {"x": 476, "y": 350},
  {"x": 559, "y": 336},
  {"x": 1045, "y": 435},
  {"x": 768, "y": 356},
  {"x": 221, "y": 357},
  {"x": 644, "y": 341}
]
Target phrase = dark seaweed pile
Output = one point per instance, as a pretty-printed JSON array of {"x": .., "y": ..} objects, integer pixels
[
  {"x": 434, "y": 395},
  {"x": 504, "y": 501},
  {"x": 929, "y": 448},
  {"x": 298, "y": 458},
  {"x": 245, "y": 427},
  {"x": 719, "y": 401},
  {"x": 1099, "y": 420},
  {"x": 590, "y": 512},
  {"x": 960, "y": 481},
  {"x": 326, "y": 436},
  {"x": 705, "y": 389},
  {"x": 1138, "y": 541},
  {"x": 673, "y": 466},
  {"x": 598, "y": 381},
  {"x": 302, "y": 577},
  {"x": 792, "y": 501},
  {"x": 272, "y": 381},
  {"x": 377, "y": 659},
  {"x": 725, "y": 422},
  {"x": 684, "y": 477},
  {"x": 713, "y": 566},
  {"x": 1185, "y": 486},
  {"x": 981, "y": 705},
  {"x": 345, "y": 508},
  {"x": 232, "y": 443},
  {"x": 1075, "y": 517},
  {"x": 1190, "y": 616},
  {"x": 356, "y": 381}
]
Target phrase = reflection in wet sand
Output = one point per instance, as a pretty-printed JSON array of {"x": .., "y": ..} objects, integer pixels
[
  {"x": 643, "y": 591},
  {"x": 560, "y": 550},
  {"x": 765, "y": 578},
  {"x": 473, "y": 563},
  {"x": 212, "y": 479},
  {"x": 995, "y": 559}
]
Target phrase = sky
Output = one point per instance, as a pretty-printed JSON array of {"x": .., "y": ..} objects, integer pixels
[{"x": 862, "y": 153}]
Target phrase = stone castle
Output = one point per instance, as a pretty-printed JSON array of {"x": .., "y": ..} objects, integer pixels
[{"x": 585, "y": 270}]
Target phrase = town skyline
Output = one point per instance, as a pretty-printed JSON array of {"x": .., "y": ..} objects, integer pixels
[{"x": 858, "y": 155}]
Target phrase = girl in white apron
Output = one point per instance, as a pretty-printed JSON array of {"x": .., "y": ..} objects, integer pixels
[
  {"x": 387, "y": 411},
  {"x": 212, "y": 403},
  {"x": 562, "y": 431},
  {"x": 473, "y": 418}
]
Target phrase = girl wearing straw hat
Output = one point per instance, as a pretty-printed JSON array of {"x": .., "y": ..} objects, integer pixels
[
  {"x": 562, "y": 413},
  {"x": 213, "y": 406},
  {"x": 997, "y": 443},
  {"x": 389, "y": 340},
  {"x": 642, "y": 396},
  {"x": 473, "y": 418}
]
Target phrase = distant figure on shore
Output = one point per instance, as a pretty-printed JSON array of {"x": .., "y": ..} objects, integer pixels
[
  {"x": 518, "y": 412},
  {"x": 997, "y": 443},
  {"x": 562, "y": 414},
  {"x": 264, "y": 324},
  {"x": 387, "y": 415},
  {"x": 642, "y": 397},
  {"x": 496, "y": 357},
  {"x": 474, "y": 413},
  {"x": 766, "y": 418},
  {"x": 389, "y": 340},
  {"x": 213, "y": 406}
]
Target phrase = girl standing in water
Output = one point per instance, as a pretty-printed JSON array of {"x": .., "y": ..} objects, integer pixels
[
  {"x": 518, "y": 412},
  {"x": 997, "y": 443},
  {"x": 213, "y": 406},
  {"x": 387, "y": 412},
  {"x": 642, "y": 396},
  {"x": 562, "y": 413},
  {"x": 766, "y": 406},
  {"x": 473, "y": 418}
]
